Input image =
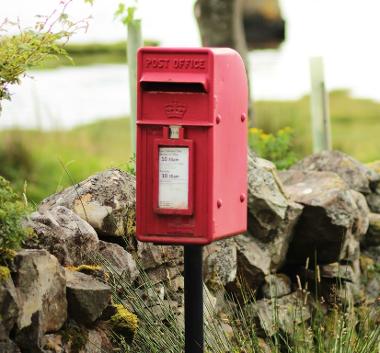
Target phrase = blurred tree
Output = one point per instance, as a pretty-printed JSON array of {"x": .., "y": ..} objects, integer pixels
[
  {"x": 240, "y": 24},
  {"x": 220, "y": 23}
]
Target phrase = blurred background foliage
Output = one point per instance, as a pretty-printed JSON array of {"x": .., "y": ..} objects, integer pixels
[
  {"x": 50, "y": 161},
  {"x": 82, "y": 54}
]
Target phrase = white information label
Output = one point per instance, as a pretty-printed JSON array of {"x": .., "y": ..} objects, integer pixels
[{"x": 173, "y": 189}]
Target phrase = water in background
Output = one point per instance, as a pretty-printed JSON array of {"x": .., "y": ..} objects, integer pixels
[
  {"x": 344, "y": 33},
  {"x": 66, "y": 97}
]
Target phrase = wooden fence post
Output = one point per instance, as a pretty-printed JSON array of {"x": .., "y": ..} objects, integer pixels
[
  {"x": 319, "y": 105},
  {"x": 133, "y": 44}
]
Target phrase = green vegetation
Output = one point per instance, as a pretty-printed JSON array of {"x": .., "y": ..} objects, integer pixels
[
  {"x": 339, "y": 328},
  {"x": 274, "y": 147},
  {"x": 91, "y": 270},
  {"x": 33, "y": 45},
  {"x": 75, "y": 336},
  {"x": 80, "y": 54},
  {"x": 50, "y": 161},
  {"x": 5, "y": 273},
  {"x": 124, "y": 323},
  {"x": 354, "y": 122},
  {"x": 12, "y": 210}
]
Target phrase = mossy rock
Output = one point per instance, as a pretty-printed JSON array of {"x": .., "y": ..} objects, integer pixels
[
  {"x": 75, "y": 336},
  {"x": 5, "y": 273},
  {"x": 6, "y": 256},
  {"x": 124, "y": 323},
  {"x": 95, "y": 271},
  {"x": 374, "y": 166}
]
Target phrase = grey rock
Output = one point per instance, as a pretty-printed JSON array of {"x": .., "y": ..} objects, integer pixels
[
  {"x": 375, "y": 183},
  {"x": 373, "y": 252},
  {"x": 276, "y": 286},
  {"x": 284, "y": 313},
  {"x": 357, "y": 176},
  {"x": 361, "y": 220},
  {"x": 86, "y": 297},
  {"x": 152, "y": 294},
  {"x": 152, "y": 256},
  {"x": 342, "y": 272},
  {"x": 53, "y": 343},
  {"x": 41, "y": 287},
  {"x": 118, "y": 260},
  {"x": 9, "y": 347},
  {"x": 219, "y": 264},
  {"x": 271, "y": 214},
  {"x": 9, "y": 308},
  {"x": 373, "y": 201},
  {"x": 267, "y": 202},
  {"x": 98, "y": 342},
  {"x": 372, "y": 289},
  {"x": 161, "y": 274},
  {"x": 372, "y": 238},
  {"x": 29, "y": 338},
  {"x": 105, "y": 200},
  {"x": 64, "y": 234},
  {"x": 253, "y": 264},
  {"x": 346, "y": 294},
  {"x": 332, "y": 221},
  {"x": 95, "y": 341}
]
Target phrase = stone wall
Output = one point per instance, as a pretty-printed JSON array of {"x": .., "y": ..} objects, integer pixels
[{"x": 312, "y": 226}]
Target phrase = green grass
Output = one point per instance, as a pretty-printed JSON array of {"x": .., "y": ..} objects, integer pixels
[
  {"x": 41, "y": 158},
  {"x": 92, "y": 53},
  {"x": 38, "y": 157},
  {"x": 337, "y": 329},
  {"x": 355, "y": 123}
]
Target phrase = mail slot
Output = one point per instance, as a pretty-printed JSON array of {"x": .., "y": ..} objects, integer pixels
[{"x": 191, "y": 157}]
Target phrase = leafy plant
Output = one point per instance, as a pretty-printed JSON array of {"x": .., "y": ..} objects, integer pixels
[
  {"x": 12, "y": 210},
  {"x": 31, "y": 46},
  {"x": 274, "y": 147},
  {"x": 126, "y": 14},
  {"x": 131, "y": 165}
]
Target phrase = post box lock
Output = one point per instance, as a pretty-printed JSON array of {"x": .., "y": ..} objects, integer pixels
[
  {"x": 185, "y": 166},
  {"x": 174, "y": 131}
]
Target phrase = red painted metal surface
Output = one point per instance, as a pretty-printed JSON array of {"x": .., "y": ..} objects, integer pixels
[{"x": 204, "y": 91}]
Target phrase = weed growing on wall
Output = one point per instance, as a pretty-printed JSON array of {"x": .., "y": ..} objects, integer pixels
[{"x": 275, "y": 147}]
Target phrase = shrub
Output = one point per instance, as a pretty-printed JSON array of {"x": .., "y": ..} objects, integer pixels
[
  {"x": 12, "y": 210},
  {"x": 33, "y": 45},
  {"x": 274, "y": 147}
]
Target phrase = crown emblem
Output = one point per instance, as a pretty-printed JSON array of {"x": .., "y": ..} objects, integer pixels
[{"x": 175, "y": 110}]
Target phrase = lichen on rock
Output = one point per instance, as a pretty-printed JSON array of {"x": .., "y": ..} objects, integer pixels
[
  {"x": 96, "y": 271},
  {"x": 124, "y": 323},
  {"x": 105, "y": 200},
  {"x": 4, "y": 273},
  {"x": 75, "y": 337}
]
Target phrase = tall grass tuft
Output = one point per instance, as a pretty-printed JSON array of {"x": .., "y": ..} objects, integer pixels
[{"x": 337, "y": 329}]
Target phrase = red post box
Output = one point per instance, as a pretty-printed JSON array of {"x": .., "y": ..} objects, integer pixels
[{"x": 191, "y": 145}]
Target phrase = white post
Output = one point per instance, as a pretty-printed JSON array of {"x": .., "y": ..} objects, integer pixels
[
  {"x": 319, "y": 105},
  {"x": 133, "y": 44}
]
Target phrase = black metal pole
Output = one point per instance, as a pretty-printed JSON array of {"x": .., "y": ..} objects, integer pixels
[{"x": 193, "y": 299}]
